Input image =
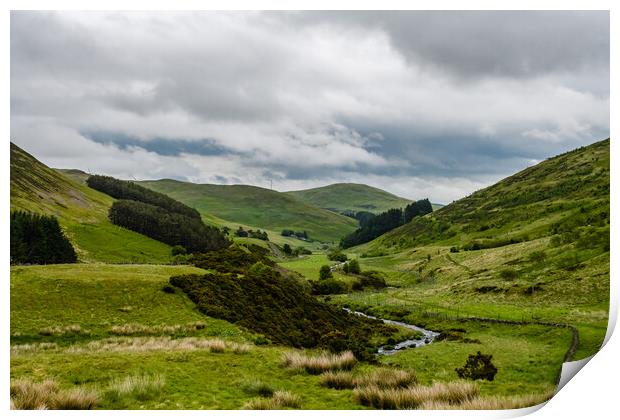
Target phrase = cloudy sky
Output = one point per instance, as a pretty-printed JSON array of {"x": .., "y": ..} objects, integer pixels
[{"x": 422, "y": 104}]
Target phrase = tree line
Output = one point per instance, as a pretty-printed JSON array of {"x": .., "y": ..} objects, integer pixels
[
  {"x": 372, "y": 227},
  {"x": 38, "y": 239},
  {"x": 163, "y": 225},
  {"x": 127, "y": 190}
]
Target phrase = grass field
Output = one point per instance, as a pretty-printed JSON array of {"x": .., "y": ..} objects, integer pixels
[{"x": 98, "y": 297}]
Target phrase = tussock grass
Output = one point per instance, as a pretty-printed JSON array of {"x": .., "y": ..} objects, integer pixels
[
  {"x": 28, "y": 395},
  {"x": 381, "y": 378},
  {"x": 279, "y": 400},
  {"x": 338, "y": 380},
  {"x": 76, "y": 399},
  {"x": 135, "y": 329},
  {"x": 257, "y": 387},
  {"x": 61, "y": 330},
  {"x": 387, "y": 378},
  {"x": 414, "y": 397},
  {"x": 32, "y": 347},
  {"x": 490, "y": 403},
  {"x": 140, "y": 387},
  {"x": 143, "y": 344},
  {"x": 320, "y": 363}
]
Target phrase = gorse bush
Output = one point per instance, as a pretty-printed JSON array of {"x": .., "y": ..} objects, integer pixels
[
  {"x": 167, "y": 227},
  {"x": 325, "y": 272},
  {"x": 38, "y": 239},
  {"x": 234, "y": 259},
  {"x": 267, "y": 302},
  {"x": 127, "y": 190},
  {"x": 478, "y": 366}
]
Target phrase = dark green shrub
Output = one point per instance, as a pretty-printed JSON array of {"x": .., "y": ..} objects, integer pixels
[
  {"x": 372, "y": 279},
  {"x": 354, "y": 267},
  {"x": 287, "y": 249},
  {"x": 178, "y": 250},
  {"x": 329, "y": 286},
  {"x": 454, "y": 249},
  {"x": 279, "y": 308},
  {"x": 508, "y": 274},
  {"x": 478, "y": 366},
  {"x": 325, "y": 273},
  {"x": 337, "y": 255},
  {"x": 168, "y": 289}
]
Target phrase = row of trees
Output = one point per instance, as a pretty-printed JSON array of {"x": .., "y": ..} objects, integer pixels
[
  {"x": 38, "y": 239},
  {"x": 127, "y": 190},
  {"x": 376, "y": 226},
  {"x": 166, "y": 226},
  {"x": 258, "y": 234},
  {"x": 299, "y": 235}
]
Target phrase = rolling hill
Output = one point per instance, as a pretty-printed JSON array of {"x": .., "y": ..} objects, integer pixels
[
  {"x": 81, "y": 211},
  {"x": 350, "y": 197},
  {"x": 257, "y": 207},
  {"x": 533, "y": 246}
]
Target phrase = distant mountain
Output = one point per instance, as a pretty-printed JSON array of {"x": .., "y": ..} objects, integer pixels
[
  {"x": 350, "y": 197},
  {"x": 257, "y": 207},
  {"x": 81, "y": 211}
]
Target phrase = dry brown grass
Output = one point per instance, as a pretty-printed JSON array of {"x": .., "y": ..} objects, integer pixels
[
  {"x": 141, "y": 387},
  {"x": 143, "y": 344},
  {"x": 414, "y": 397},
  {"x": 135, "y": 329},
  {"x": 28, "y": 395},
  {"x": 76, "y": 399},
  {"x": 61, "y": 330},
  {"x": 279, "y": 400},
  {"x": 338, "y": 380},
  {"x": 32, "y": 347},
  {"x": 387, "y": 378},
  {"x": 490, "y": 403},
  {"x": 381, "y": 378},
  {"x": 320, "y": 363}
]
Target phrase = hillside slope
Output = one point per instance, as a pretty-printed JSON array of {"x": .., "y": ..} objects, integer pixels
[
  {"x": 566, "y": 192},
  {"x": 81, "y": 211},
  {"x": 258, "y": 207},
  {"x": 350, "y": 197},
  {"x": 533, "y": 246}
]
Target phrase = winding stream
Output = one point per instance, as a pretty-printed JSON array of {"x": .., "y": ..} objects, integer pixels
[{"x": 427, "y": 335}]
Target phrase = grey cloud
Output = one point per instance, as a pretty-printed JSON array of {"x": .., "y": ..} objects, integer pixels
[
  {"x": 489, "y": 43},
  {"x": 161, "y": 146},
  {"x": 310, "y": 97}
]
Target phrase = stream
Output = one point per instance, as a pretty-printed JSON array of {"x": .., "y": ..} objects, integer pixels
[{"x": 427, "y": 338}]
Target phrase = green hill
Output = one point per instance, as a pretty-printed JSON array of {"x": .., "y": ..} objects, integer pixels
[
  {"x": 257, "y": 207},
  {"x": 534, "y": 246},
  {"x": 81, "y": 211},
  {"x": 350, "y": 197},
  {"x": 562, "y": 194}
]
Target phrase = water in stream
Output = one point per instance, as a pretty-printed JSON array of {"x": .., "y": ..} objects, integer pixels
[{"x": 427, "y": 335}]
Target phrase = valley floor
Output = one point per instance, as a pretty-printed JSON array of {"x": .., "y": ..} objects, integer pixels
[{"x": 93, "y": 326}]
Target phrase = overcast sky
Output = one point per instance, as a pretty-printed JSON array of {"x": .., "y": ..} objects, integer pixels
[{"x": 422, "y": 104}]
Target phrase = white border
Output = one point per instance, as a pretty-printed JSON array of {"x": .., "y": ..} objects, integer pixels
[{"x": 592, "y": 394}]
